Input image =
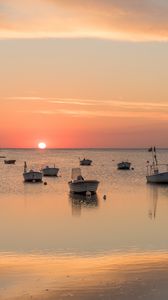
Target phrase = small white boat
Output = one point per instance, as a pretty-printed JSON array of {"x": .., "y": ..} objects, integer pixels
[
  {"x": 31, "y": 175},
  {"x": 80, "y": 185},
  {"x": 124, "y": 165},
  {"x": 50, "y": 171},
  {"x": 85, "y": 162},
  {"x": 153, "y": 173}
]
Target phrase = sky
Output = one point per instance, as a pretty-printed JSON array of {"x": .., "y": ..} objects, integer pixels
[{"x": 83, "y": 73}]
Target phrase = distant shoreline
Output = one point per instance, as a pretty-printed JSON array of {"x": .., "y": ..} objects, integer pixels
[{"x": 98, "y": 148}]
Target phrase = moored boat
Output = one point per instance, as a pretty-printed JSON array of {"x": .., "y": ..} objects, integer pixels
[
  {"x": 124, "y": 165},
  {"x": 10, "y": 161},
  {"x": 50, "y": 171},
  {"x": 153, "y": 173},
  {"x": 31, "y": 175},
  {"x": 85, "y": 162},
  {"x": 80, "y": 185}
]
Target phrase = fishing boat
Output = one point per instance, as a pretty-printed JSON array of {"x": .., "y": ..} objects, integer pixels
[
  {"x": 80, "y": 185},
  {"x": 85, "y": 162},
  {"x": 10, "y": 161},
  {"x": 124, "y": 165},
  {"x": 50, "y": 171},
  {"x": 154, "y": 175},
  {"x": 31, "y": 175}
]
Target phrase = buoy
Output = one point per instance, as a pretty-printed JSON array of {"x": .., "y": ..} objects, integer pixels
[
  {"x": 45, "y": 183},
  {"x": 104, "y": 197},
  {"x": 88, "y": 194}
]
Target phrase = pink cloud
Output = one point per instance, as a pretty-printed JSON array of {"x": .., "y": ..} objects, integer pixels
[{"x": 123, "y": 20}]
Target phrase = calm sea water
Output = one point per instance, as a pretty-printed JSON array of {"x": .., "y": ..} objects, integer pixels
[{"x": 45, "y": 228}]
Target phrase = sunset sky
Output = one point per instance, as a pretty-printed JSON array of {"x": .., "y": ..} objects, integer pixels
[{"x": 84, "y": 73}]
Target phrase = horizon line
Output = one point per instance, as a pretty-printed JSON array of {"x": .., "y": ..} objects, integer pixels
[{"x": 81, "y": 148}]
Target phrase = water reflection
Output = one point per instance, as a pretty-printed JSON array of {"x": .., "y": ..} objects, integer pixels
[
  {"x": 153, "y": 192},
  {"x": 131, "y": 276},
  {"x": 79, "y": 201},
  {"x": 156, "y": 192}
]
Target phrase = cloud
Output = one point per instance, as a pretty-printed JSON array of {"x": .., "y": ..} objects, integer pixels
[
  {"x": 112, "y": 19},
  {"x": 137, "y": 105},
  {"x": 92, "y": 108},
  {"x": 123, "y": 114}
]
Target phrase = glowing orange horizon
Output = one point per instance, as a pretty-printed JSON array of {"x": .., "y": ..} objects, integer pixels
[{"x": 81, "y": 123}]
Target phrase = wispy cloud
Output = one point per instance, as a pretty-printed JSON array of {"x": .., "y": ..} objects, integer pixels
[
  {"x": 54, "y": 100},
  {"x": 24, "y": 98},
  {"x": 113, "y": 19},
  {"x": 122, "y": 114},
  {"x": 112, "y": 104},
  {"x": 91, "y": 108}
]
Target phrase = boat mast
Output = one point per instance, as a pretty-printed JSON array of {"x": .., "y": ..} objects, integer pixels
[
  {"x": 155, "y": 161},
  {"x": 155, "y": 158},
  {"x": 25, "y": 167}
]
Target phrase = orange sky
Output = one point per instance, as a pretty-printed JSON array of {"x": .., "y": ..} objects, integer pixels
[{"x": 75, "y": 75}]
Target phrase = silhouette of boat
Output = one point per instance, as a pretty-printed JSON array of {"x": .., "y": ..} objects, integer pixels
[
  {"x": 85, "y": 162},
  {"x": 10, "y": 161},
  {"x": 50, "y": 171},
  {"x": 124, "y": 165}
]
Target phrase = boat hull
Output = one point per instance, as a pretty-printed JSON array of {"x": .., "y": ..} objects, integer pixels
[
  {"x": 85, "y": 162},
  {"x": 53, "y": 172},
  {"x": 83, "y": 186},
  {"x": 32, "y": 176},
  {"x": 157, "y": 178},
  {"x": 124, "y": 166},
  {"x": 10, "y": 162}
]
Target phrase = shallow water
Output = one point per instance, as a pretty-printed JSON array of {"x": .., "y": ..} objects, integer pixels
[{"x": 51, "y": 241}]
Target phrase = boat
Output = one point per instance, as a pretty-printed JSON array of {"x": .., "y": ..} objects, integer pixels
[
  {"x": 154, "y": 175},
  {"x": 31, "y": 175},
  {"x": 85, "y": 162},
  {"x": 124, "y": 165},
  {"x": 80, "y": 185},
  {"x": 9, "y": 161},
  {"x": 50, "y": 171}
]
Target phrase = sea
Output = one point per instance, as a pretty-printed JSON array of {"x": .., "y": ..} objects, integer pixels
[{"x": 55, "y": 245}]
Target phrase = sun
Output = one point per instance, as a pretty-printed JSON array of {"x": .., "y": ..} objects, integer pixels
[{"x": 42, "y": 145}]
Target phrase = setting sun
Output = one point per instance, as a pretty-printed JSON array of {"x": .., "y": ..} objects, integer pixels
[{"x": 41, "y": 145}]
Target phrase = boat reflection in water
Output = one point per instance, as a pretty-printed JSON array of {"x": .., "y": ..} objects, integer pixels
[
  {"x": 80, "y": 201},
  {"x": 153, "y": 194},
  {"x": 156, "y": 192}
]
